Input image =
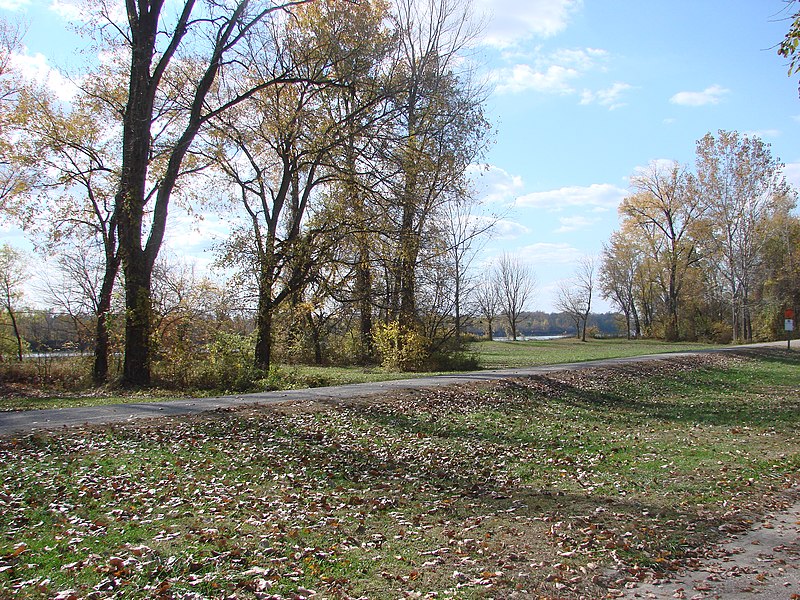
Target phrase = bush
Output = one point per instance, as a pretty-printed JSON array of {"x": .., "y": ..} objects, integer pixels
[
  {"x": 63, "y": 373},
  {"x": 229, "y": 363},
  {"x": 399, "y": 348},
  {"x": 454, "y": 361}
]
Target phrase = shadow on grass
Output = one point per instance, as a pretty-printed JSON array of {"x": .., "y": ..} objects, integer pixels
[
  {"x": 672, "y": 390},
  {"x": 709, "y": 396}
]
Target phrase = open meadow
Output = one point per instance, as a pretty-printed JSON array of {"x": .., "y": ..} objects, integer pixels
[{"x": 568, "y": 485}]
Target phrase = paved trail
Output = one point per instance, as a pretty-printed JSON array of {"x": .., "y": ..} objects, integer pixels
[
  {"x": 763, "y": 563},
  {"x": 32, "y": 420}
]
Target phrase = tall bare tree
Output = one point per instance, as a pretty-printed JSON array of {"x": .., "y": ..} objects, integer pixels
[
  {"x": 741, "y": 186},
  {"x": 663, "y": 212},
  {"x": 515, "y": 284},
  {"x": 203, "y": 56},
  {"x": 487, "y": 302}
]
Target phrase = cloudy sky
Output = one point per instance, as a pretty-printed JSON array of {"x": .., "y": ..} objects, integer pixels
[{"x": 584, "y": 93}]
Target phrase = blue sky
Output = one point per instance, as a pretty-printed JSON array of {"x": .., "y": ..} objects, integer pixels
[{"x": 584, "y": 93}]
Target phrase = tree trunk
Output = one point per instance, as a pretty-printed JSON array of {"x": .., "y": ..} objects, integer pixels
[
  {"x": 101, "y": 349},
  {"x": 364, "y": 295},
  {"x": 17, "y": 335},
  {"x": 102, "y": 338},
  {"x": 316, "y": 339},
  {"x": 637, "y": 326},
  {"x": 263, "y": 350},
  {"x": 138, "y": 311}
]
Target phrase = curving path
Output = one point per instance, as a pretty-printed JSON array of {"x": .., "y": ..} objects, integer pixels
[{"x": 32, "y": 420}]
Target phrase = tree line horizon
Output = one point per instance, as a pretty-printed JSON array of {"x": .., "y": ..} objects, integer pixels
[{"x": 338, "y": 137}]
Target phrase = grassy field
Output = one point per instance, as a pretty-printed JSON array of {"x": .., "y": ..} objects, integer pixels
[
  {"x": 495, "y": 355},
  {"x": 562, "y": 486},
  {"x": 488, "y": 355}
]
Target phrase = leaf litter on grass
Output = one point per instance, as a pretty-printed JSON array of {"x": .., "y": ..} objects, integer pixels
[{"x": 570, "y": 485}]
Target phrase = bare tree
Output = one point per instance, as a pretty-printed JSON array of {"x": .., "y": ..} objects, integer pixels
[
  {"x": 487, "y": 302},
  {"x": 12, "y": 276},
  {"x": 210, "y": 44},
  {"x": 585, "y": 278},
  {"x": 576, "y": 299},
  {"x": 465, "y": 233},
  {"x": 571, "y": 303},
  {"x": 515, "y": 283}
]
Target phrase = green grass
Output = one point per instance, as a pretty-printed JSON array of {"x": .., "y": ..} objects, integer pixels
[
  {"x": 496, "y": 355},
  {"x": 490, "y": 355},
  {"x": 559, "y": 486}
]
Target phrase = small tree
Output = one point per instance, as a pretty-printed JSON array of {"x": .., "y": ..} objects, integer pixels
[
  {"x": 570, "y": 302},
  {"x": 12, "y": 275},
  {"x": 618, "y": 269},
  {"x": 576, "y": 300},
  {"x": 515, "y": 283},
  {"x": 585, "y": 282},
  {"x": 487, "y": 303}
]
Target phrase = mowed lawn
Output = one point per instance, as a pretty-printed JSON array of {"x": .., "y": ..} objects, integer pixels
[
  {"x": 497, "y": 355},
  {"x": 561, "y": 486},
  {"x": 484, "y": 354}
]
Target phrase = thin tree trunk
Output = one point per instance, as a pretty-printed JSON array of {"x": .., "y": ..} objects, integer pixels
[
  {"x": 17, "y": 335},
  {"x": 102, "y": 338}
]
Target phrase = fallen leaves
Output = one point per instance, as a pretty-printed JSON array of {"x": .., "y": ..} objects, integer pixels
[{"x": 526, "y": 488}]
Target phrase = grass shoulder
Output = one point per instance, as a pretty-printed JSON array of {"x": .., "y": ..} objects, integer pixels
[{"x": 488, "y": 355}]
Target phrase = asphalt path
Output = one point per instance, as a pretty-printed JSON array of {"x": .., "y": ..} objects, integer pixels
[{"x": 17, "y": 422}]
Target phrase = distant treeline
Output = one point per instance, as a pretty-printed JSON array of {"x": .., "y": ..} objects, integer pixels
[{"x": 542, "y": 323}]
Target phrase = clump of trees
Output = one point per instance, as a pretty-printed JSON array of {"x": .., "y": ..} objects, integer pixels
[
  {"x": 710, "y": 253},
  {"x": 334, "y": 136}
]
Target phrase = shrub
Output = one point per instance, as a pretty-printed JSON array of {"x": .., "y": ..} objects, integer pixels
[
  {"x": 400, "y": 348},
  {"x": 229, "y": 363}
]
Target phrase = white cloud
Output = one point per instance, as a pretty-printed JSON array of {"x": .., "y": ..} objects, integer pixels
[
  {"x": 575, "y": 223},
  {"x": 553, "y": 73},
  {"x": 792, "y": 172},
  {"x": 69, "y": 11},
  {"x": 582, "y": 59},
  {"x": 35, "y": 68},
  {"x": 710, "y": 95},
  {"x": 505, "y": 229},
  {"x": 610, "y": 97},
  {"x": 600, "y": 196},
  {"x": 523, "y": 78},
  {"x": 511, "y": 21},
  {"x": 13, "y": 5},
  {"x": 495, "y": 185},
  {"x": 547, "y": 253}
]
